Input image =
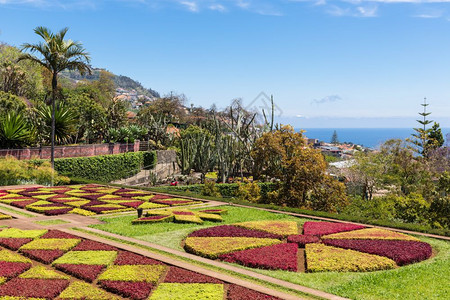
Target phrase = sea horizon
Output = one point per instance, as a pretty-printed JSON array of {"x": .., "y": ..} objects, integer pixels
[{"x": 367, "y": 137}]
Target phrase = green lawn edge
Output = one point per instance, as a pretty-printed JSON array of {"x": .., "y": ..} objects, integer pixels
[{"x": 10, "y": 209}]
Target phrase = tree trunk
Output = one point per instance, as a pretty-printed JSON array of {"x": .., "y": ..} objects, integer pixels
[{"x": 54, "y": 87}]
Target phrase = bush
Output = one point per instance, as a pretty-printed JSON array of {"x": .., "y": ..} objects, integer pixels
[
  {"x": 249, "y": 191},
  {"x": 104, "y": 168},
  {"x": 210, "y": 189},
  {"x": 13, "y": 172}
]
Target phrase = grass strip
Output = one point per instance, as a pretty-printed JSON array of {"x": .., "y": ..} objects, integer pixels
[
  {"x": 51, "y": 222},
  {"x": 9, "y": 209}
]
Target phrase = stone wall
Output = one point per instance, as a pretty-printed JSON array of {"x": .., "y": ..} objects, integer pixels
[
  {"x": 166, "y": 163},
  {"x": 71, "y": 151}
]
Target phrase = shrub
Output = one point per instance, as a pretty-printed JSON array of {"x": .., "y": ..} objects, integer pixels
[
  {"x": 213, "y": 247},
  {"x": 44, "y": 256},
  {"x": 103, "y": 168},
  {"x": 51, "y": 244},
  {"x": 85, "y": 272},
  {"x": 12, "y": 269},
  {"x": 129, "y": 289},
  {"x": 87, "y": 257},
  {"x": 412, "y": 208},
  {"x": 57, "y": 234},
  {"x": 9, "y": 256},
  {"x": 322, "y": 258},
  {"x": 210, "y": 189},
  {"x": 249, "y": 192},
  {"x": 19, "y": 233},
  {"x": 276, "y": 257},
  {"x": 402, "y": 252},
  {"x": 40, "y": 272},
  {"x": 323, "y": 228},
  {"x": 32, "y": 288},
  {"x": 14, "y": 243},
  {"x": 89, "y": 245}
]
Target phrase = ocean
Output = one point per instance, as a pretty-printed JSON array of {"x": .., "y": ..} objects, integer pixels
[{"x": 368, "y": 137}]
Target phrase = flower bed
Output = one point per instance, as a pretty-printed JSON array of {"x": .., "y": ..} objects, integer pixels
[
  {"x": 237, "y": 292},
  {"x": 10, "y": 269},
  {"x": 301, "y": 240},
  {"x": 87, "y": 258},
  {"x": 371, "y": 234},
  {"x": 18, "y": 233},
  {"x": 402, "y": 252},
  {"x": 213, "y": 247},
  {"x": 283, "y": 228},
  {"x": 40, "y": 272},
  {"x": 84, "y": 272},
  {"x": 87, "y": 200},
  {"x": 51, "y": 244},
  {"x": 10, "y": 256},
  {"x": 215, "y": 211},
  {"x": 179, "y": 291},
  {"x": 135, "y": 273},
  {"x": 179, "y": 275},
  {"x": 14, "y": 243},
  {"x": 130, "y": 258},
  {"x": 152, "y": 219},
  {"x": 4, "y": 216},
  {"x": 323, "y": 228},
  {"x": 20, "y": 287},
  {"x": 82, "y": 290},
  {"x": 43, "y": 256},
  {"x": 232, "y": 231},
  {"x": 133, "y": 290},
  {"x": 178, "y": 216},
  {"x": 276, "y": 257},
  {"x": 322, "y": 258},
  {"x": 89, "y": 245}
]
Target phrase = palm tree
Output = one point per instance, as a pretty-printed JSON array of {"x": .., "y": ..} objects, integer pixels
[{"x": 57, "y": 55}]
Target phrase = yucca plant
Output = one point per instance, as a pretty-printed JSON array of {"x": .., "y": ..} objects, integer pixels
[
  {"x": 65, "y": 122},
  {"x": 15, "y": 131}
]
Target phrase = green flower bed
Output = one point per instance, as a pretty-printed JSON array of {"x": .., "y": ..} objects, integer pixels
[
  {"x": 82, "y": 290},
  {"x": 321, "y": 258},
  {"x": 40, "y": 272},
  {"x": 10, "y": 256},
  {"x": 87, "y": 258},
  {"x": 184, "y": 291},
  {"x": 283, "y": 228},
  {"x": 135, "y": 273},
  {"x": 18, "y": 233}
]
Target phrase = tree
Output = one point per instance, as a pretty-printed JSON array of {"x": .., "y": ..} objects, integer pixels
[
  {"x": 435, "y": 137},
  {"x": 57, "y": 54},
  {"x": 63, "y": 120},
  {"x": 421, "y": 137},
  {"x": 334, "y": 138},
  {"x": 284, "y": 155}
]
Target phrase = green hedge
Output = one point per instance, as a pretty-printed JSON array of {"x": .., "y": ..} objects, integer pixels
[
  {"x": 225, "y": 189},
  {"x": 104, "y": 168}
]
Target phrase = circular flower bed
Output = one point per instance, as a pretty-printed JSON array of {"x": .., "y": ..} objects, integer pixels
[{"x": 317, "y": 247}]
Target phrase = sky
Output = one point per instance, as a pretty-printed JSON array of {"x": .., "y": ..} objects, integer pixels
[{"x": 327, "y": 63}]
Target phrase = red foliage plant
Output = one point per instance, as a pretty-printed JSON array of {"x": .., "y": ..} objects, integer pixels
[
  {"x": 57, "y": 234},
  {"x": 55, "y": 212},
  {"x": 22, "y": 204},
  {"x": 301, "y": 240},
  {"x": 171, "y": 202},
  {"x": 130, "y": 258},
  {"x": 44, "y": 256},
  {"x": 159, "y": 217},
  {"x": 87, "y": 245},
  {"x": 133, "y": 290},
  {"x": 232, "y": 231},
  {"x": 323, "y": 228},
  {"x": 14, "y": 243},
  {"x": 402, "y": 252},
  {"x": 276, "y": 257},
  {"x": 12, "y": 269},
  {"x": 33, "y": 288},
  {"x": 183, "y": 213},
  {"x": 84, "y": 272},
  {"x": 133, "y": 204},
  {"x": 237, "y": 292},
  {"x": 179, "y": 275}
]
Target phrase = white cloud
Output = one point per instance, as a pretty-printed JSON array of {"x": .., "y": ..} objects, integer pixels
[
  {"x": 217, "y": 7},
  {"x": 190, "y": 5}
]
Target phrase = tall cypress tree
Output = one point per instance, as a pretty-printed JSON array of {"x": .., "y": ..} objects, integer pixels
[
  {"x": 422, "y": 135},
  {"x": 334, "y": 138}
]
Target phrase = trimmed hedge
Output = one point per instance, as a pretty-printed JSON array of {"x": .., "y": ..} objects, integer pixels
[{"x": 104, "y": 168}]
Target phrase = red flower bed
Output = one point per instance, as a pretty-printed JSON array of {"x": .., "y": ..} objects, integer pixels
[
  {"x": 22, "y": 204},
  {"x": 133, "y": 290},
  {"x": 55, "y": 212},
  {"x": 237, "y": 292},
  {"x": 153, "y": 218},
  {"x": 178, "y": 275},
  {"x": 85, "y": 272},
  {"x": 87, "y": 245},
  {"x": 33, "y": 288},
  {"x": 130, "y": 258},
  {"x": 120, "y": 191},
  {"x": 92, "y": 202},
  {"x": 301, "y": 240},
  {"x": 232, "y": 231},
  {"x": 134, "y": 204},
  {"x": 92, "y": 197},
  {"x": 183, "y": 213},
  {"x": 12, "y": 269},
  {"x": 276, "y": 257},
  {"x": 44, "y": 256},
  {"x": 160, "y": 197},
  {"x": 323, "y": 228},
  {"x": 14, "y": 243},
  {"x": 402, "y": 252},
  {"x": 57, "y": 234}
]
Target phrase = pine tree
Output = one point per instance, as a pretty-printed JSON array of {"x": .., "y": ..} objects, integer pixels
[
  {"x": 435, "y": 137},
  {"x": 334, "y": 138},
  {"x": 421, "y": 137}
]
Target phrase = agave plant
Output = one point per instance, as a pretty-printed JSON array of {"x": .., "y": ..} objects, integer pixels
[
  {"x": 15, "y": 131},
  {"x": 65, "y": 122}
]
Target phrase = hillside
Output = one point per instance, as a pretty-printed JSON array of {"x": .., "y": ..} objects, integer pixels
[{"x": 121, "y": 81}]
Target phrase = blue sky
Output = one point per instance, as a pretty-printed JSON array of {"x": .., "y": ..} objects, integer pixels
[{"x": 328, "y": 63}]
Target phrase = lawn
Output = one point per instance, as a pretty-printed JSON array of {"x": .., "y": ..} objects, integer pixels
[
  {"x": 51, "y": 222},
  {"x": 428, "y": 279}
]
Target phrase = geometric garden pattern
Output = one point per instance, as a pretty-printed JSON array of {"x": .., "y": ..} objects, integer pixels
[
  {"x": 51, "y": 264},
  {"x": 86, "y": 199},
  {"x": 323, "y": 246}
]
